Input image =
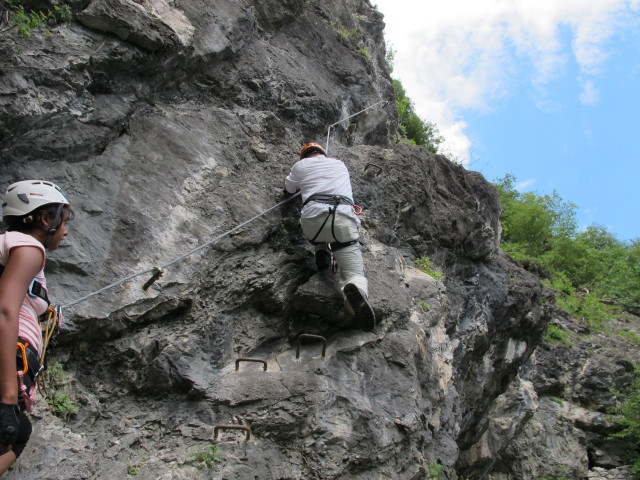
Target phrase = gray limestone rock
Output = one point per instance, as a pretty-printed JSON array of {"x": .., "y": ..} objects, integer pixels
[{"x": 171, "y": 126}]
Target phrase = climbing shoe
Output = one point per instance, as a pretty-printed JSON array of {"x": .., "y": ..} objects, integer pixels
[
  {"x": 364, "y": 318},
  {"x": 323, "y": 259}
]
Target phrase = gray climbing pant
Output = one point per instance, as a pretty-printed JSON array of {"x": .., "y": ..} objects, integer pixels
[{"x": 349, "y": 259}]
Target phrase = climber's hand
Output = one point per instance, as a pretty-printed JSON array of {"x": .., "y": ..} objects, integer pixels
[
  {"x": 23, "y": 435},
  {"x": 9, "y": 425}
]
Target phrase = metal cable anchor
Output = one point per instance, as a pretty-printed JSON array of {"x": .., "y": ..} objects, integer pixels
[{"x": 157, "y": 273}]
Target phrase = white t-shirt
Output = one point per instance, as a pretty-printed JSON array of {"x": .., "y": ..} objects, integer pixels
[
  {"x": 32, "y": 307},
  {"x": 320, "y": 174}
]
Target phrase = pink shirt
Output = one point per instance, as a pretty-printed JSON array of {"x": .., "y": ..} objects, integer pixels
[{"x": 32, "y": 307}]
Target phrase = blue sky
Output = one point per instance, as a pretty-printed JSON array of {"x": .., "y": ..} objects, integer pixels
[{"x": 548, "y": 91}]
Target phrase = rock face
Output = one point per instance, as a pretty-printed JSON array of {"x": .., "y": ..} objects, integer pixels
[{"x": 169, "y": 124}]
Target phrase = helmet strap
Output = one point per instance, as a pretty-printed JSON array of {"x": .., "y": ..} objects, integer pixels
[{"x": 57, "y": 221}]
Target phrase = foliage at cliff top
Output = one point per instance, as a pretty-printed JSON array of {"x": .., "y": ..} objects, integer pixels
[
  {"x": 541, "y": 232},
  {"x": 411, "y": 127},
  {"x": 14, "y": 15},
  {"x": 628, "y": 419}
]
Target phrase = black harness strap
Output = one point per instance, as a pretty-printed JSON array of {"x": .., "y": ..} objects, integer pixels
[
  {"x": 328, "y": 199},
  {"x": 35, "y": 289},
  {"x": 334, "y": 201},
  {"x": 335, "y": 246}
]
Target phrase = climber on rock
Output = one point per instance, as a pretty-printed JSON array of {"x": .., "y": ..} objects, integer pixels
[
  {"x": 329, "y": 222},
  {"x": 36, "y": 213}
]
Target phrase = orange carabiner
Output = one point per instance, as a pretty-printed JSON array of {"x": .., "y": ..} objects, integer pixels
[
  {"x": 23, "y": 350},
  {"x": 357, "y": 209}
]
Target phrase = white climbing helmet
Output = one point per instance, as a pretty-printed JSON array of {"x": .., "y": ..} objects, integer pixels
[{"x": 26, "y": 196}]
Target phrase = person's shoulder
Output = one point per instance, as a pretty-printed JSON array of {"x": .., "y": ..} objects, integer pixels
[
  {"x": 336, "y": 161},
  {"x": 15, "y": 239}
]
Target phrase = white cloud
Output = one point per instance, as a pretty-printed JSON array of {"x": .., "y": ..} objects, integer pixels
[
  {"x": 525, "y": 185},
  {"x": 465, "y": 54},
  {"x": 589, "y": 95}
]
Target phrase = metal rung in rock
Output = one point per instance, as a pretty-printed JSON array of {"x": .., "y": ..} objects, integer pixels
[
  {"x": 257, "y": 360},
  {"x": 311, "y": 337},
  {"x": 217, "y": 428}
]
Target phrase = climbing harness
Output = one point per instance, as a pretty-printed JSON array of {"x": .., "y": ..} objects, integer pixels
[
  {"x": 30, "y": 365},
  {"x": 29, "y": 369},
  {"x": 334, "y": 201}
]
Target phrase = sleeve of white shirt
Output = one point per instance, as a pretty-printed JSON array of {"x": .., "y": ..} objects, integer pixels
[{"x": 292, "y": 182}]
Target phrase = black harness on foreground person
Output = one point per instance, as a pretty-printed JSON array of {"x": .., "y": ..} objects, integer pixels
[{"x": 334, "y": 201}]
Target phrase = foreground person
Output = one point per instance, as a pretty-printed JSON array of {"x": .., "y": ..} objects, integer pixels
[{"x": 36, "y": 213}]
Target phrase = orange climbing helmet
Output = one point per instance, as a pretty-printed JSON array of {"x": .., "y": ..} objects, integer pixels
[{"x": 310, "y": 148}]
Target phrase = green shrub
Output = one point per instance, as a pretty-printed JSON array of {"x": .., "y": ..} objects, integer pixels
[
  {"x": 627, "y": 418},
  {"x": 365, "y": 53},
  {"x": 25, "y": 21},
  {"x": 424, "y": 265},
  {"x": 587, "y": 308},
  {"x": 55, "y": 382},
  {"x": 133, "y": 470},
  {"x": 204, "y": 457},
  {"x": 629, "y": 335},
  {"x": 389, "y": 58},
  {"x": 556, "y": 334},
  {"x": 354, "y": 35},
  {"x": 61, "y": 404},
  {"x": 435, "y": 470},
  {"x": 55, "y": 374}
]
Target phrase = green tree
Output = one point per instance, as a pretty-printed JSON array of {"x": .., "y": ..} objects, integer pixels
[
  {"x": 623, "y": 279},
  {"x": 412, "y": 127},
  {"x": 531, "y": 222},
  {"x": 541, "y": 232},
  {"x": 628, "y": 420}
]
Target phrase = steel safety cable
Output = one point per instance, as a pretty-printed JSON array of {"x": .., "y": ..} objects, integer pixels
[
  {"x": 348, "y": 118},
  {"x": 156, "y": 269},
  {"x": 180, "y": 258}
]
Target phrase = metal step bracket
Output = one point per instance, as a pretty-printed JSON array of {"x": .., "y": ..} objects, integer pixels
[
  {"x": 306, "y": 336},
  {"x": 256, "y": 360},
  {"x": 217, "y": 428}
]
